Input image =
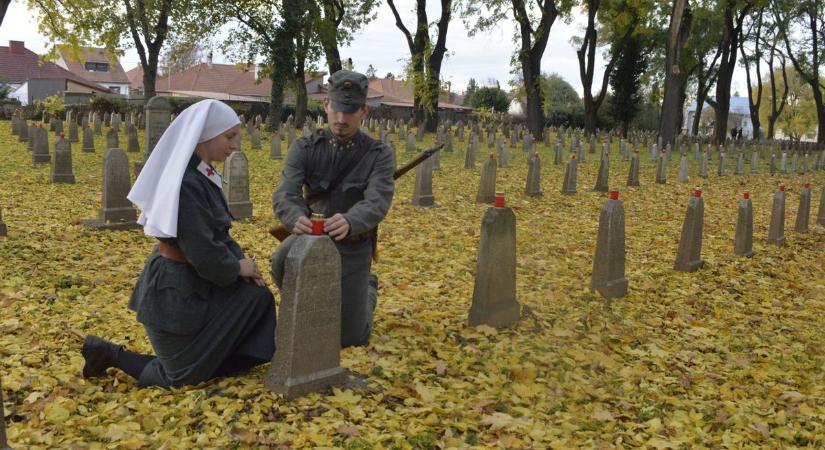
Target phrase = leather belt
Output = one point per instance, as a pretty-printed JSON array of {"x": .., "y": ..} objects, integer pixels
[
  {"x": 172, "y": 253},
  {"x": 358, "y": 238}
]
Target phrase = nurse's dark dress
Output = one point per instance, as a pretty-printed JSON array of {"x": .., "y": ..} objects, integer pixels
[{"x": 203, "y": 320}]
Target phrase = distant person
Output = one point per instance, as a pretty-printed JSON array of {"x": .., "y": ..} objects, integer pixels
[
  {"x": 733, "y": 133},
  {"x": 739, "y": 134},
  {"x": 203, "y": 304}
]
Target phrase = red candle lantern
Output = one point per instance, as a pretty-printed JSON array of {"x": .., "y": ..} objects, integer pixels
[
  {"x": 317, "y": 224},
  {"x": 614, "y": 195},
  {"x": 498, "y": 200}
]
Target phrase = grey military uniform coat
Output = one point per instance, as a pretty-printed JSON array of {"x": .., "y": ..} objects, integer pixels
[
  {"x": 199, "y": 314},
  {"x": 363, "y": 197}
]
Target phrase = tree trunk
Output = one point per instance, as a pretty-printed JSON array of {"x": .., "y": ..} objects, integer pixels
[
  {"x": 4, "y": 6},
  {"x": 149, "y": 78},
  {"x": 281, "y": 58},
  {"x": 701, "y": 94},
  {"x": 434, "y": 68},
  {"x": 730, "y": 43},
  {"x": 530, "y": 59},
  {"x": 329, "y": 36},
  {"x": 754, "y": 104},
  {"x": 300, "y": 93},
  {"x": 776, "y": 110},
  {"x": 680, "y": 22}
]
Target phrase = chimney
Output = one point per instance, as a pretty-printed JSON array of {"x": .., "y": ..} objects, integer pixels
[
  {"x": 209, "y": 60},
  {"x": 17, "y": 47}
]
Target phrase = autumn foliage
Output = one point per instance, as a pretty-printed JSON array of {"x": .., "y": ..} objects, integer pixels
[{"x": 729, "y": 356}]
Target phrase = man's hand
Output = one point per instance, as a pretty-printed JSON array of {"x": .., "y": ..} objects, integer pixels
[
  {"x": 337, "y": 227},
  {"x": 302, "y": 226}
]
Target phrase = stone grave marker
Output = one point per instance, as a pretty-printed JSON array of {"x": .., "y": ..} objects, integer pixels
[
  {"x": 533, "y": 185},
  {"x": 23, "y": 132},
  {"x": 633, "y": 173},
  {"x": 795, "y": 161},
  {"x": 132, "y": 145},
  {"x": 236, "y": 185},
  {"x": 608, "y": 276},
  {"x": 743, "y": 241},
  {"x": 423, "y": 188},
  {"x": 820, "y": 217},
  {"x": 448, "y": 142},
  {"x": 773, "y": 164},
  {"x": 255, "y": 138},
  {"x": 62, "y": 162},
  {"x": 98, "y": 125},
  {"x": 661, "y": 168},
  {"x": 568, "y": 187},
  {"x": 470, "y": 155},
  {"x": 116, "y": 211},
  {"x": 740, "y": 164},
  {"x": 683, "y": 168},
  {"x": 88, "y": 140},
  {"x": 503, "y": 157},
  {"x": 703, "y": 165},
  {"x": 754, "y": 162},
  {"x": 308, "y": 358},
  {"x": 275, "y": 147},
  {"x": 158, "y": 114},
  {"x": 604, "y": 173},
  {"x": 40, "y": 152},
  {"x": 73, "y": 132},
  {"x": 410, "y": 142},
  {"x": 689, "y": 253},
  {"x": 112, "y": 139},
  {"x": 487, "y": 183},
  {"x": 783, "y": 163},
  {"x": 776, "y": 230},
  {"x": 115, "y": 122},
  {"x": 804, "y": 211},
  {"x": 494, "y": 294},
  {"x": 720, "y": 169},
  {"x": 3, "y": 232}
]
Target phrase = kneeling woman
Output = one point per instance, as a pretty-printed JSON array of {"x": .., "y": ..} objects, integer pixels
[{"x": 204, "y": 305}]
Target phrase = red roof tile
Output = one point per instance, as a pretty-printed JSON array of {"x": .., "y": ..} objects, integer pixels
[
  {"x": 76, "y": 64},
  {"x": 19, "y": 68}
]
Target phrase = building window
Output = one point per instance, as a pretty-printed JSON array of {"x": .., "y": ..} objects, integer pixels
[
  {"x": 97, "y": 67},
  {"x": 114, "y": 89}
]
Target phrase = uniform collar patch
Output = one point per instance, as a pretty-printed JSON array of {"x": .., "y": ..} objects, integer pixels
[{"x": 210, "y": 173}]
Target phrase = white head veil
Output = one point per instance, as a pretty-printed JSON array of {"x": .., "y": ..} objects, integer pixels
[{"x": 157, "y": 189}]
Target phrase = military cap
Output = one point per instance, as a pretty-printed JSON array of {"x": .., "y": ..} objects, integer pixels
[{"x": 347, "y": 90}]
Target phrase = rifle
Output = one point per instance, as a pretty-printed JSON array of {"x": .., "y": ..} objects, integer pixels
[{"x": 280, "y": 232}]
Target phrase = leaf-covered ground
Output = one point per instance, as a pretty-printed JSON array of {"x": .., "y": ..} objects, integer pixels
[{"x": 730, "y": 356}]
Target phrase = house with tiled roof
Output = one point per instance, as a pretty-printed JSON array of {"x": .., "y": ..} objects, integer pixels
[
  {"x": 394, "y": 98},
  {"x": 226, "y": 82},
  {"x": 96, "y": 65},
  {"x": 31, "y": 78}
]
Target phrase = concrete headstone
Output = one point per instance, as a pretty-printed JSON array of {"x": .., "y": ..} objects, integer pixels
[
  {"x": 776, "y": 229},
  {"x": 308, "y": 358},
  {"x": 40, "y": 152},
  {"x": 743, "y": 241},
  {"x": 116, "y": 211},
  {"x": 568, "y": 186},
  {"x": 423, "y": 188},
  {"x": 608, "y": 276},
  {"x": 803, "y": 213},
  {"x": 689, "y": 253},
  {"x": 88, "y": 140},
  {"x": 236, "y": 185},
  {"x": 487, "y": 183},
  {"x": 494, "y": 294},
  {"x": 62, "y": 162}
]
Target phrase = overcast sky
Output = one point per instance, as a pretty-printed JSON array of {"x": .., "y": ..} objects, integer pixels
[{"x": 484, "y": 57}]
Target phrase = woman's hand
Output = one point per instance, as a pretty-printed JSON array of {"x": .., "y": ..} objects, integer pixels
[{"x": 250, "y": 273}]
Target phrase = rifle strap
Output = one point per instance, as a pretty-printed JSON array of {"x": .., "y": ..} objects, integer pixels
[{"x": 334, "y": 178}]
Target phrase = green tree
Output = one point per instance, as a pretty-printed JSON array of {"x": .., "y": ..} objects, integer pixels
[
  {"x": 141, "y": 24},
  {"x": 562, "y": 104},
  {"x": 801, "y": 25},
  {"x": 264, "y": 28},
  {"x": 426, "y": 57},
  {"x": 472, "y": 87},
  {"x": 626, "y": 82},
  {"x": 611, "y": 24},
  {"x": 490, "y": 98},
  {"x": 798, "y": 117},
  {"x": 534, "y": 21},
  {"x": 337, "y": 24}
]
